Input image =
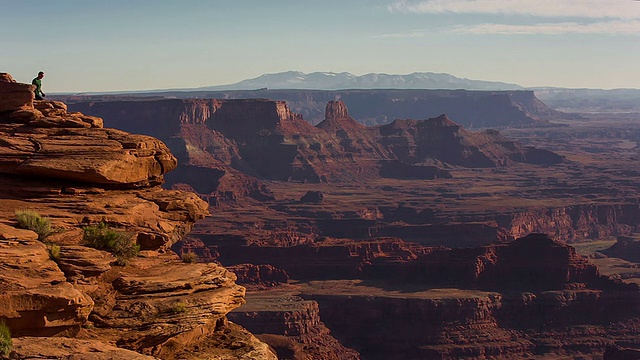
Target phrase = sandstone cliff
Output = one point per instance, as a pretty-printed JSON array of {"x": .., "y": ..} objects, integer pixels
[
  {"x": 69, "y": 168},
  {"x": 532, "y": 297},
  {"x": 218, "y": 140},
  {"x": 472, "y": 109}
]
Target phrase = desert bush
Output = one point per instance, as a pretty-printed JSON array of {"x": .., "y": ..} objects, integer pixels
[
  {"x": 5, "y": 339},
  {"x": 189, "y": 257},
  {"x": 54, "y": 252},
  {"x": 29, "y": 219},
  {"x": 179, "y": 307},
  {"x": 120, "y": 243}
]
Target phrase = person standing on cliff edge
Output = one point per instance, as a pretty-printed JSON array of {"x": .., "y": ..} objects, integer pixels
[{"x": 38, "y": 83}]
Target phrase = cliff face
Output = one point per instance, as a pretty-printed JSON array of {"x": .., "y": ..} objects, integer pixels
[
  {"x": 472, "y": 109},
  {"x": 263, "y": 138},
  {"x": 69, "y": 168},
  {"x": 292, "y": 326},
  {"x": 506, "y": 300},
  {"x": 574, "y": 222}
]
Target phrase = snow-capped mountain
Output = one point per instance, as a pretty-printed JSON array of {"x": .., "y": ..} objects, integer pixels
[{"x": 344, "y": 80}]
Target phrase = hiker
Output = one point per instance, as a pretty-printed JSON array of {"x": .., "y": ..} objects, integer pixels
[{"x": 38, "y": 83}]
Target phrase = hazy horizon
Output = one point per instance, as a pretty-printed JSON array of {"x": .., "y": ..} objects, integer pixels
[{"x": 145, "y": 45}]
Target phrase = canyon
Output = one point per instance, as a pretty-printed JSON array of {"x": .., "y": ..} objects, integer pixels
[
  {"x": 471, "y": 109},
  {"x": 414, "y": 238}
]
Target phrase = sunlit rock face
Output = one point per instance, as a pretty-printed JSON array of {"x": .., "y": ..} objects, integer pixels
[{"x": 66, "y": 167}]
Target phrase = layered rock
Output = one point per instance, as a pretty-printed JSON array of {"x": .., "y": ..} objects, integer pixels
[
  {"x": 65, "y": 348},
  {"x": 440, "y": 139},
  {"x": 66, "y": 167},
  {"x": 159, "y": 305},
  {"x": 430, "y": 324},
  {"x": 15, "y": 96},
  {"x": 378, "y": 107},
  {"x": 263, "y": 138},
  {"x": 37, "y": 300},
  {"x": 292, "y": 326},
  {"x": 540, "y": 291}
]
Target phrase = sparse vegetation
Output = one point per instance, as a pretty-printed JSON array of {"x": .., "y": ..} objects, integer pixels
[
  {"x": 30, "y": 219},
  {"x": 118, "y": 242},
  {"x": 5, "y": 339},
  {"x": 179, "y": 307},
  {"x": 54, "y": 252},
  {"x": 189, "y": 257}
]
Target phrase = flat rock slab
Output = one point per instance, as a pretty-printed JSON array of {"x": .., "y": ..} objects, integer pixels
[{"x": 70, "y": 349}]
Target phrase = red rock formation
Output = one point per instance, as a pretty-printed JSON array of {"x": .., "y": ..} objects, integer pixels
[
  {"x": 574, "y": 221},
  {"x": 325, "y": 259},
  {"x": 626, "y": 247},
  {"x": 291, "y": 318},
  {"x": 68, "y": 168},
  {"x": 263, "y": 276},
  {"x": 15, "y": 96},
  {"x": 547, "y": 290},
  {"x": 264, "y": 138},
  {"x": 534, "y": 262},
  {"x": 440, "y": 139},
  {"x": 378, "y": 107},
  {"x": 432, "y": 324}
]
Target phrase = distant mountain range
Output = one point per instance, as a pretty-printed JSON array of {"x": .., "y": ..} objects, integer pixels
[
  {"x": 565, "y": 99},
  {"x": 345, "y": 80}
]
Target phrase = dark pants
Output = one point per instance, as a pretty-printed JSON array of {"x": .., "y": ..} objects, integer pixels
[{"x": 39, "y": 97}]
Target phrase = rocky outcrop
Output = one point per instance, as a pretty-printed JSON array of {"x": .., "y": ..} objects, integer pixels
[
  {"x": 573, "y": 222},
  {"x": 15, "y": 96},
  {"x": 37, "y": 300},
  {"x": 505, "y": 300},
  {"x": 432, "y": 324},
  {"x": 441, "y": 140},
  {"x": 259, "y": 276},
  {"x": 55, "y": 144},
  {"x": 65, "y": 348},
  {"x": 159, "y": 305},
  {"x": 473, "y": 109},
  {"x": 324, "y": 259},
  {"x": 625, "y": 247},
  {"x": 67, "y": 167},
  {"x": 284, "y": 321},
  {"x": 264, "y": 139}
]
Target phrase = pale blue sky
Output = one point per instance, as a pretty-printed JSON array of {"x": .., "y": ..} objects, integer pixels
[{"x": 86, "y": 45}]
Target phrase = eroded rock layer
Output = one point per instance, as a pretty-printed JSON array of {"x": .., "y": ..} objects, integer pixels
[
  {"x": 378, "y": 107},
  {"x": 531, "y": 297},
  {"x": 69, "y": 169},
  {"x": 218, "y": 139}
]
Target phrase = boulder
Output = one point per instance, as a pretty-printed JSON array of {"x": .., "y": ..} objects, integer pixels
[
  {"x": 13, "y": 95},
  {"x": 35, "y": 297}
]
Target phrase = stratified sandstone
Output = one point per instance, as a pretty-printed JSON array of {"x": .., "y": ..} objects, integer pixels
[
  {"x": 68, "y": 168},
  {"x": 282, "y": 320},
  {"x": 15, "y": 96},
  {"x": 65, "y": 348},
  {"x": 36, "y": 299},
  {"x": 378, "y": 107},
  {"x": 219, "y": 139}
]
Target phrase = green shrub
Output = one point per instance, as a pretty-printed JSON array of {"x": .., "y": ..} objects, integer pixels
[
  {"x": 54, "y": 252},
  {"x": 189, "y": 257},
  {"x": 5, "y": 339},
  {"x": 179, "y": 307},
  {"x": 29, "y": 219},
  {"x": 120, "y": 243}
]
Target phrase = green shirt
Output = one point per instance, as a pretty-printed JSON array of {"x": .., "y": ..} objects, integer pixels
[{"x": 38, "y": 83}]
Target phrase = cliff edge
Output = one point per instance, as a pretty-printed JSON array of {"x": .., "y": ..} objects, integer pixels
[{"x": 64, "y": 299}]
